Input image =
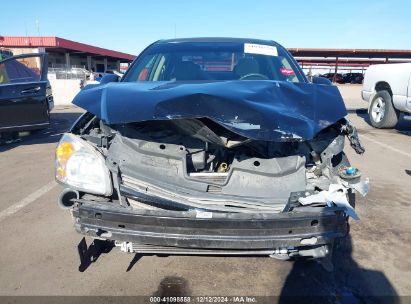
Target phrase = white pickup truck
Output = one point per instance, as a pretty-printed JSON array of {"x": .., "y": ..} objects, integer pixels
[{"x": 387, "y": 89}]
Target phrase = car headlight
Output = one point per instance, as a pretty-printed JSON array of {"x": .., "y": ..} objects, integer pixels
[{"x": 80, "y": 166}]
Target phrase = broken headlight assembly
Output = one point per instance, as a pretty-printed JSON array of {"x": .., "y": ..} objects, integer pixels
[{"x": 80, "y": 166}]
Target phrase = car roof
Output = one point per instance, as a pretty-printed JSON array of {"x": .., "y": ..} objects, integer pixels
[{"x": 218, "y": 39}]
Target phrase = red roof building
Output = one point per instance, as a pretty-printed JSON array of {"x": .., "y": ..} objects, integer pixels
[{"x": 64, "y": 52}]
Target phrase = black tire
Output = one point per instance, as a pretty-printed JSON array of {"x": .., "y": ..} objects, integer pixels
[{"x": 389, "y": 117}]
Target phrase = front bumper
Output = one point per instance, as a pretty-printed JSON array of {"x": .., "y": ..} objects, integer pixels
[{"x": 223, "y": 231}]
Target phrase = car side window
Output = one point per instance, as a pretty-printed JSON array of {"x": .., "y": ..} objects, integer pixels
[
  {"x": 288, "y": 71},
  {"x": 144, "y": 69},
  {"x": 4, "y": 78},
  {"x": 158, "y": 72},
  {"x": 20, "y": 70}
]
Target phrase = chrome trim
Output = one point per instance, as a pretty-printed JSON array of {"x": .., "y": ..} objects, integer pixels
[{"x": 23, "y": 126}]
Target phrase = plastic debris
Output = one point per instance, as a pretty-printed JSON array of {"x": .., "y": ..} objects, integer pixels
[{"x": 336, "y": 194}]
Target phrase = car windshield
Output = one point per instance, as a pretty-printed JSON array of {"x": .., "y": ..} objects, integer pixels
[{"x": 206, "y": 61}]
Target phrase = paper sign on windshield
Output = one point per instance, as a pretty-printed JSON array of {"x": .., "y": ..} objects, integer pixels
[{"x": 260, "y": 49}]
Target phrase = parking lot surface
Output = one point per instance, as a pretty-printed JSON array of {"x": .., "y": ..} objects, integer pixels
[{"x": 39, "y": 254}]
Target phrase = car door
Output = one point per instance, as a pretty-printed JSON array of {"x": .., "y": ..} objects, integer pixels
[{"x": 23, "y": 90}]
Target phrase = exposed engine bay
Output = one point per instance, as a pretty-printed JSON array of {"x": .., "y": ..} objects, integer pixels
[{"x": 197, "y": 164}]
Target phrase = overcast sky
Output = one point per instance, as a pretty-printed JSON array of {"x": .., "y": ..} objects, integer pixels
[{"x": 129, "y": 26}]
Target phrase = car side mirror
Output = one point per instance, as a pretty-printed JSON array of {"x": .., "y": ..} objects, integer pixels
[
  {"x": 109, "y": 78},
  {"x": 321, "y": 80}
]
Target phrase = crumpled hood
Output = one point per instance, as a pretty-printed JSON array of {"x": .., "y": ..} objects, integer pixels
[{"x": 261, "y": 110}]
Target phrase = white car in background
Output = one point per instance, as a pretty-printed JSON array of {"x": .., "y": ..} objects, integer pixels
[
  {"x": 387, "y": 89},
  {"x": 99, "y": 75}
]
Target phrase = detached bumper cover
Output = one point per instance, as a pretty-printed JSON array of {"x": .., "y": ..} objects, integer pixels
[{"x": 223, "y": 231}]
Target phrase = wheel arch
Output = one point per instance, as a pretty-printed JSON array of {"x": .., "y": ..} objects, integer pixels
[{"x": 383, "y": 86}]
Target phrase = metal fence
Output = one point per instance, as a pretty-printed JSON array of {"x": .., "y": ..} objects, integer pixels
[{"x": 62, "y": 71}]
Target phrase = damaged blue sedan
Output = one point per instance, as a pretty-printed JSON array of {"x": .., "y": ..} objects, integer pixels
[{"x": 215, "y": 146}]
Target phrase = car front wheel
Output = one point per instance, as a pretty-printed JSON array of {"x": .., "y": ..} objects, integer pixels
[{"x": 382, "y": 113}]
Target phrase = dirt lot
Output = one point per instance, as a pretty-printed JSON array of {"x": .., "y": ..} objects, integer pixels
[{"x": 39, "y": 246}]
